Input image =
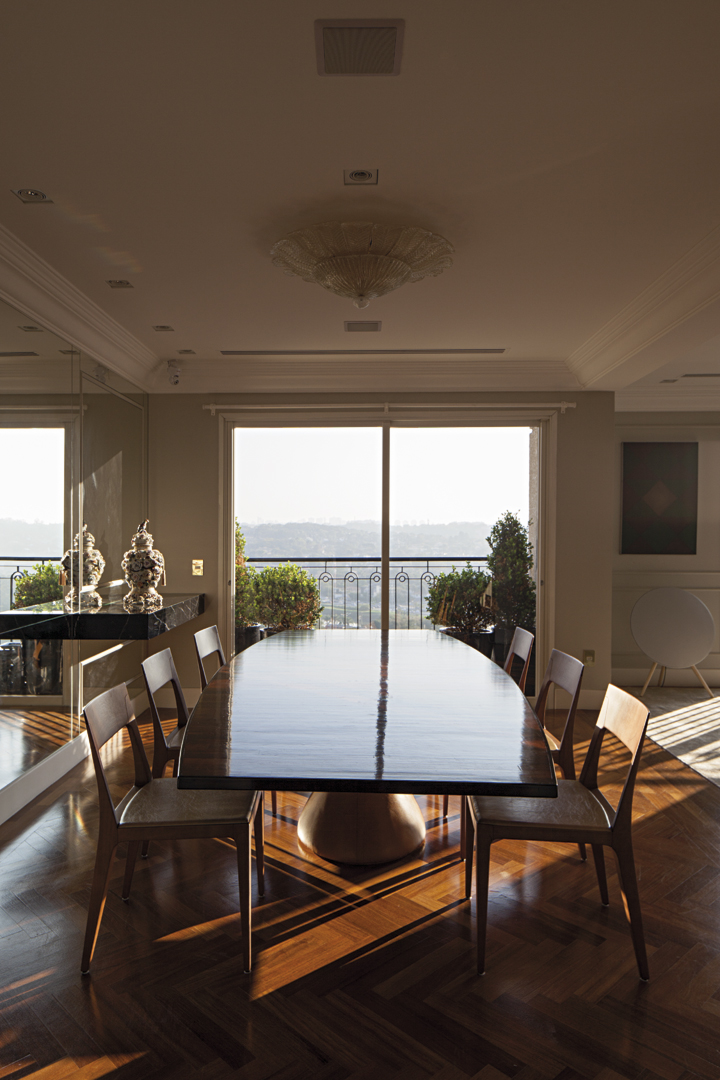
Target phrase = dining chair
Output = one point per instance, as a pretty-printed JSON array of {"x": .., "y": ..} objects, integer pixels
[
  {"x": 565, "y": 672},
  {"x": 520, "y": 647},
  {"x": 155, "y": 808},
  {"x": 580, "y": 814},
  {"x": 159, "y": 670},
  {"x": 207, "y": 643}
]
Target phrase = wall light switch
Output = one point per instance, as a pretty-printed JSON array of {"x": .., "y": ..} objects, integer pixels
[
  {"x": 197, "y": 567},
  {"x": 589, "y": 657}
]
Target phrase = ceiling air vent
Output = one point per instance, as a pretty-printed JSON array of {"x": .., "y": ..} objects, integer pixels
[
  {"x": 119, "y": 283},
  {"x": 18, "y": 354},
  {"x": 359, "y": 46},
  {"x": 703, "y": 375},
  {"x": 31, "y": 329},
  {"x": 363, "y": 326}
]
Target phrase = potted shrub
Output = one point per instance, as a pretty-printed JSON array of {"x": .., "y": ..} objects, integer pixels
[
  {"x": 247, "y": 628},
  {"x": 462, "y": 601},
  {"x": 510, "y": 563},
  {"x": 42, "y": 659},
  {"x": 287, "y": 598}
]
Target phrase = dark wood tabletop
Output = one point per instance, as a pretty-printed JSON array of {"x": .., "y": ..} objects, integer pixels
[{"x": 362, "y": 710}]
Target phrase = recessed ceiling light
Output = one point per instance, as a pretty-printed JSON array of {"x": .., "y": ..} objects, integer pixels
[
  {"x": 31, "y": 329},
  {"x": 162, "y": 329},
  {"x": 186, "y": 352},
  {"x": 360, "y": 176},
  {"x": 119, "y": 283},
  {"x": 362, "y": 326},
  {"x": 30, "y": 195}
]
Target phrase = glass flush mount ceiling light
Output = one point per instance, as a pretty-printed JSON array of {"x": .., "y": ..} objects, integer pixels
[{"x": 360, "y": 260}]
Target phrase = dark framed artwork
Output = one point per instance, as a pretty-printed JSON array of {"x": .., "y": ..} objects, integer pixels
[{"x": 659, "y": 498}]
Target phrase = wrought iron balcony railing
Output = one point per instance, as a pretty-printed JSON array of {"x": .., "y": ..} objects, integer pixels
[{"x": 350, "y": 587}]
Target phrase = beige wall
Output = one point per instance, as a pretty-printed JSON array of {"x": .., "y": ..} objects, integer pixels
[
  {"x": 634, "y": 575},
  {"x": 184, "y": 486},
  {"x": 584, "y": 535}
]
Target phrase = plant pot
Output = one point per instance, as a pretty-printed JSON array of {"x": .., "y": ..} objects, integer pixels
[
  {"x": 503, "y": 637},
  {"x": 245, "y": 636}
]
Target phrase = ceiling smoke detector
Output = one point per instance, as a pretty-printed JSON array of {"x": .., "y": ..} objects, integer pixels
[
  {"x": 359, "y": 46},
  {"x": 119, "y": 283},
  {"x": 362, "y": 326},
  {"x": 360, "y": 176},
  {"x": 361, "y": 260},
  {"x": 30, "y": 195}
]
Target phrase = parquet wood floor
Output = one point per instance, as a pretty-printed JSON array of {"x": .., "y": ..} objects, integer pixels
[
  {"x": 362, "y": 973},
  {"x": 28, "y": 735}
]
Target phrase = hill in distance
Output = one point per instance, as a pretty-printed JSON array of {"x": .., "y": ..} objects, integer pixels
[{"x": 309, "y": 539}]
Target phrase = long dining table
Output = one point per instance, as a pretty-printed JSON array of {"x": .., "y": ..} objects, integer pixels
[{"x": 365, "y": 720}]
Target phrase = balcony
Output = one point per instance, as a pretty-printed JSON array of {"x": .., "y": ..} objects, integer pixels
[{"x": 350, "y": 587}]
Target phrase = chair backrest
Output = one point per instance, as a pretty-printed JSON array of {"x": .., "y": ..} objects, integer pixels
[
  {"x": 158, "y": 671},
  {"x": 207, "y": 643},
  {"x": 105, "y": 716},
  {"x": 565, "y": 672},
  {"x": 520, "y": 646},
  {"x": 626, "y": 717}
]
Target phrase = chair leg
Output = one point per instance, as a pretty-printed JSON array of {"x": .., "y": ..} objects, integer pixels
[
  {"x": 259, "y": 830},
  {"x": 483, "y": 843},
  {"x": 145, "y": 848},
  {"x": 129, "y": 868},
  {"x": 463, "y": 826},
  {"x": 599, "y": 857},
  {"x": 631, "y": 901},
  {"x": 469, "y": 846},
  {"x": 446, "y": 804},
  {"x": 242, "y": 841},
  {"x": 273, "y": 800},
  {"x": 583, "y": 852},
  {"x": 98, "y": 892}
]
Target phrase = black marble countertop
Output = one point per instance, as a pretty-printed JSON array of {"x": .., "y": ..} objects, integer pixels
[{"x": 112, "y": 622}]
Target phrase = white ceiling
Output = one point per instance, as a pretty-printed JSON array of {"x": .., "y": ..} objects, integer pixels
[{"x": 569, "y": 151}]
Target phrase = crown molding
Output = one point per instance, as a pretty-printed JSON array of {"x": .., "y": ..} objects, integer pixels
[
  {"x": 324, "y": 374},
  {"x": 686, "y": 289},
  {"x": 668, "y": 399},
  {"x": 39, "y": 291}
]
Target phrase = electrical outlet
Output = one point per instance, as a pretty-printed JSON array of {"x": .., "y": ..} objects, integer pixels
[
  {"x": 589, "y": 657},
  {"x": 197, "y": 567}
]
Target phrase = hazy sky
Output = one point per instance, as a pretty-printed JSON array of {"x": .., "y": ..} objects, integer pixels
[
  {"x": 437, "y": 474},
  {"x": 32, "y": 473}
]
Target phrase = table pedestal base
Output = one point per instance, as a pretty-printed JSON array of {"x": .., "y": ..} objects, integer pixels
[{"x": 361, "y": 828}]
